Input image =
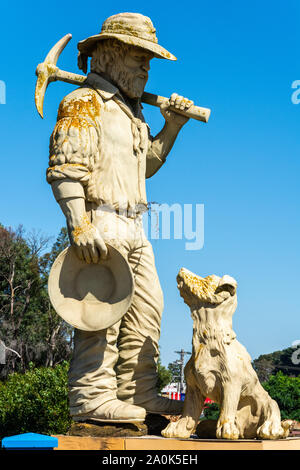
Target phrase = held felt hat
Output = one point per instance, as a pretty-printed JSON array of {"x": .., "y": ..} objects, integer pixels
[
  {"x": 91, "y": 297},
  {"x": 131, "y": 28}
]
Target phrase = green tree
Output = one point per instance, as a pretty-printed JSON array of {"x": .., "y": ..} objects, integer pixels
[
  {"x": 164, "y": 376},
  {"x": 212, "y": 411},
  {"x": 284, "y": 363},
  {"x": 174, "y": 368},
  {"x": 35, "y": 401},
  {"x": 58, "y": 335},
  {"x": 20, "y": 285},
  {"x": 60, "y": 244},
  {"x": 28, "y": 323},
  {"x": 269, "y": 364},
  {"x": 285, "y": 390}
]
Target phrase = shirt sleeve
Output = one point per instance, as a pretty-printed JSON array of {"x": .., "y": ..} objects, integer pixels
[{"x": 73, "y": 146}]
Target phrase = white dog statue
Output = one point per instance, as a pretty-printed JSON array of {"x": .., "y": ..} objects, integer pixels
[{"x": 220, "y": 367}]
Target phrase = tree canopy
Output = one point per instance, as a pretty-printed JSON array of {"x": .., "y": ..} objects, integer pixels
[
  {"x": 284, "y": 361},
  {"x": 30, "y": 329}
]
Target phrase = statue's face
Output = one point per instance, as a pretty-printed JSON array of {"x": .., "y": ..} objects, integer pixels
[
  {"x": 127, "y": 66},
  {"x": 136, "y": 64}
]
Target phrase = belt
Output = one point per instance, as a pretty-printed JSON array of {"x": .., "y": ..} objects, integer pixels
[{"x": 131, "y": 213}]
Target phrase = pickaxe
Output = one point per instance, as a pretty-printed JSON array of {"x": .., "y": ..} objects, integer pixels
[{"x": 48, "y": 72}]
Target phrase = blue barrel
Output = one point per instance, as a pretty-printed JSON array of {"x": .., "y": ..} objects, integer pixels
[{"x": 29, "y": 441}]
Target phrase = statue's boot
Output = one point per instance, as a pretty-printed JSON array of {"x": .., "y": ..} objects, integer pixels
[
  {"x": 137, "y": 379},
  {"x": 114, "y": 411},
  {"x": 92, "y": 380}
]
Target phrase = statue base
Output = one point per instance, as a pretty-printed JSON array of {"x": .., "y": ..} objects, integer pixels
[
  {"x": 159, "y": 443},
  {"x": 90, "y": 429},
  {"x": 153, "y": 425}
]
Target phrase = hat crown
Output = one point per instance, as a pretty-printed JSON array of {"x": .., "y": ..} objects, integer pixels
[
  {"x": 130, "y": 24},
  {"x": 130, "y": 28}
]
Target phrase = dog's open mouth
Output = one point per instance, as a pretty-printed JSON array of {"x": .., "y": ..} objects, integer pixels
[{"x": 189, "y": 284}]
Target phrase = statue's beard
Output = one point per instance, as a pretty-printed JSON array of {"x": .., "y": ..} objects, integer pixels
[{"x": 128, "y": 83}]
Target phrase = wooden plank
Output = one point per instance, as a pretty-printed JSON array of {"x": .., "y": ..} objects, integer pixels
[
  {"x": 132, "y": 443},
  {"x": 157, "y": 443},
  {"x": 90, "y": 443},
  {"x": 291, "y": 443}
]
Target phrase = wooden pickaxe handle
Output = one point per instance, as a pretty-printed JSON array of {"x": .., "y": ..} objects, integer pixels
[
  {"x": 194, "y": 112},
  {"x": 48, "y": 72}
]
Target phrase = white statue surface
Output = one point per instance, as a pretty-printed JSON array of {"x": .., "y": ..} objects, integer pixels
[
  {"x": 220, "y": 367},
  {"x": 101, "y": 153}
]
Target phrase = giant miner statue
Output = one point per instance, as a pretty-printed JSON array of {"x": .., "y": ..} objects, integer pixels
[{"x": 101, "y": 153}]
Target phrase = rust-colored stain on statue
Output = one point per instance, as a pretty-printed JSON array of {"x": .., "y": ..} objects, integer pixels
[{"x": 80, "y": 107}]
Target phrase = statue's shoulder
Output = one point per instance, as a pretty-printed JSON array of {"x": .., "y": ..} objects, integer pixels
[{"x": 82, "y": 102}]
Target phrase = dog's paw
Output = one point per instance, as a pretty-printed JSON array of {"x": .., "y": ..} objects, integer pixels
[
  {"x": 287, "y": 425},
  {"x": 227, "y": 430},
  {"x": 271, "y": 430},
  {"x": 177, "y": 429}
]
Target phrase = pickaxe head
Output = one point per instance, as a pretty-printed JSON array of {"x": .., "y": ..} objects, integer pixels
[{"x": 46, "y": 71}]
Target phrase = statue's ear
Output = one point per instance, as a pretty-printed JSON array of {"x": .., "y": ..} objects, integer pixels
[
  {"x": 82, "y": 61},
  {"x": 227, "y": 283}
]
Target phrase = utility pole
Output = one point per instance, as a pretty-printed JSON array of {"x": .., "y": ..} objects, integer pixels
[{"x": 180, "y": 361}]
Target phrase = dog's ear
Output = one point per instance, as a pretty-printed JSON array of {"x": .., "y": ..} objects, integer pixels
[{"x": 227, "y": 283}]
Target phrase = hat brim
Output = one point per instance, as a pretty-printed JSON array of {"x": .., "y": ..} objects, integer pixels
[
  {"x": 91, "y": 297},
  {"x": 86, "y": 46}
]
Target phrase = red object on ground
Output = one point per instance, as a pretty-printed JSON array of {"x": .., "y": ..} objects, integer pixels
[
  {"x": 175, "y": 396},
  {"x": 207, "y": 402}
]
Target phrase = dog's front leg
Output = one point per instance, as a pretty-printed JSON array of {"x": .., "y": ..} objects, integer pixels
[
  {"x": 226, "y": 427},
  {"x": 193, "y": 405}
]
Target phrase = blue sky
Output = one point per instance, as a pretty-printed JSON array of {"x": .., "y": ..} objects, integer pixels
[{"x": 237, "y": 58}]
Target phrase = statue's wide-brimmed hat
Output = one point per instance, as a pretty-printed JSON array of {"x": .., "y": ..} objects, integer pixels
[
  {"x": 131, "y": 28},
  {"x": 91, "y": 297}
]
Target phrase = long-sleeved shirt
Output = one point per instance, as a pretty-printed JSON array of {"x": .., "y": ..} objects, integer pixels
[{"x": 98, "y": 142}]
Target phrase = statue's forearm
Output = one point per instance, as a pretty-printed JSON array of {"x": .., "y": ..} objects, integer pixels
[
  {"x": 74, "y": 211},
  {"x": 71, "y": 198},
  {"x": 164, "y": 140},
  {"x": 86, "y": 238}
]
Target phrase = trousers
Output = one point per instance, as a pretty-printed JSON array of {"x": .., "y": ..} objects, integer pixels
[{"x": 121, "y": 361}]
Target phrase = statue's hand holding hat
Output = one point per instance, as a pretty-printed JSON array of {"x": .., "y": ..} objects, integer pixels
[{"x": 91, "y": 297}]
